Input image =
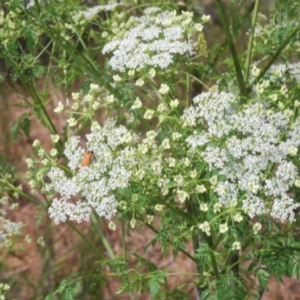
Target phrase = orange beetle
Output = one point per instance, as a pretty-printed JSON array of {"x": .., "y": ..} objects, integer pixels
[{"x": 87, "y": 158}]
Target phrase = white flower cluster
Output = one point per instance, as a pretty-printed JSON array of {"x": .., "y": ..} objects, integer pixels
[
  {"x": 250, "y": 148},
  {"x": 88, "y": 14},
  {"x": 152, "y": 41},
  {"x": 109, "y": 169},
  {"x": 9, "y": 229}
]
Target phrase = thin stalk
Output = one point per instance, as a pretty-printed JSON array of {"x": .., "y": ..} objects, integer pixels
[
  {"x": 275, "y": 56},
  {"x": 82, "y": 235},
  {"x": 42, "y": 111},
  {"x": 212, "y": 257},
  {"x": 188, "y": 87},
  {"x": 123, "y": 239},
  {"x": 103, "y": 238},
  {"x": 235, "y": 58},
  {"x": 22, "y": 194},
  {"x": 191, "y": 208},
  {"x": 212, "y": 62},
  {"x": 250, "y": 43}
]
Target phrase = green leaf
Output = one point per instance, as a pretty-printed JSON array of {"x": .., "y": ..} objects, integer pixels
[
  {"x": 157, "y": 279},
  {"x": 263, "y": 277},
  {"x": 68, "y": 289},
  {"x": 22, "y": 124}
]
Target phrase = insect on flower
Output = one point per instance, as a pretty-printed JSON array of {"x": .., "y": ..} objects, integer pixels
[
  {"x": 46, "y": 179},
  {"x": 87, "y": 158}
]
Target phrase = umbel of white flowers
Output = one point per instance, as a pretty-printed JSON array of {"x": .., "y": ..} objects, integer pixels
[
  {"x": 253, "y": 149},
  {"x": 152, "y": 40},
  {"x": 95, "y": 184}
]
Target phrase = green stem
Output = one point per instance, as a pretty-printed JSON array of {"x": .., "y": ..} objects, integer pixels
[
  {"x": 188, "y": 86},
  {"x": 212, "y": 256},
  {"x": 275, "y": 56},
  {"x": 235, "y": 58},
  {"x": 105, "y": 243},
  {"x": 85, "y": 239},
  {"x": 250, "y": 43},
  {"x": 123, "y": 239},
  {"x": 223, "y": 46},
  {"x": 22, "y": 194}
]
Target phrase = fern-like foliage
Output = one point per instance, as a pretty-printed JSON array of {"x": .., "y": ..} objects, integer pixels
[
  {"x": 21, "y": 126},
  {"x": 67, "y": 290}
]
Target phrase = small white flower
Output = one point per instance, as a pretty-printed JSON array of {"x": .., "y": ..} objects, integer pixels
[
  {"x": 72, "y": 122},
  {"x": 284, "y": 90},
  {"x": 54, "y": 138},
  {"x": 255, "y": 71},
  {"x": 152, "y": 73},
  {"x": 193, "y": 174},
  {"x": 140, "y": 82},
  {"x": 131, "y": 73},
  {"x": 204, "y": 207},
  {"x": 45, "y": 162},
  {"x": 32, "y": 183},
  {"x": 297, "y": 183},
  {"x": 159, "y": 207},
  {"x": 205, "y": 227},
  {"x": 171, "y": 162},
  {"x": 223, "y": 228},
  {"x": 117, "y": 78},
  {"x": 165, "y": 144},
  {"x": 162, "y": 107},
  {"x": 129, "y": 117},
  {"x": 274, "y": 97},
  {"x": 133, "y": 223},
  {"x": 182, "y": 196},
  {"x": 149, "y": 219},
  {"x": 41, "y": 152},
  {"x": 41, "y": 241},
  {"x": 94, "y": 88},
  {"x": 256, "y": 227},
  {"x": 179, "y": 179},
  {"x": 213, "y": 180},
  {"x": 59, "y": 108},
  {"x": 281, "y": 105},
  {"x": 200, "y": 189},
  {"x": 198, "y": 27},
  {"x": 53, "y": 152},
  {"x": 186, "y": 161},
  {"x": 28, "y": 238},
  {"x": 205, "y": 18},
  {"x": 75, "y": 106},
  {"x": 36, "y": 143},
  {"x": 293, "y": 150},
  {"x": 164, "y": 89},
  {"x": 104, "y": 34},
  {"x": 29, "y": 162},
  {"x": 76, "y": 96},
  {"x": 217, "y": 207},
  {"x": 148, "y": 115},
  {"x": 176, "y": 136},
  {"x": 110, "y": 99},
  {"x": 236, "y": 246},
  {"x": 137, "y": 103},
  {"x": 174, "y": 103},
  {"x": 238, "y": 217},
  {"x": 88, "y": 98},
  {"x": 112, "y": 225}
]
